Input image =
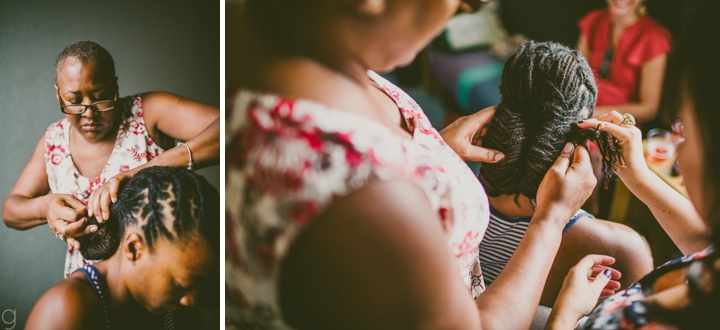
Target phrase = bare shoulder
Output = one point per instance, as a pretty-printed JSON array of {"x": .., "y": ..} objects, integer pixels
[
  {"x": 372, "y": 250},
  {"x": 70, "y": 304}
]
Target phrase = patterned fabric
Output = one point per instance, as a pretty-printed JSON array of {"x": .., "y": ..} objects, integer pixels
[
  {"x": 503, "y": 237},
  {"x": 627, "y": 310},
  {"x": 288, "y": 159},
  {"x": 133, "y": 147},
  {"x": 99, "y": 287}
]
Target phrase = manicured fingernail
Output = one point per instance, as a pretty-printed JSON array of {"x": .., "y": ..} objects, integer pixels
[
  {"x": 114, "y": 200},
  {"x": 92, "y": 229},
  {"x": 580, "y": 121},
  {"x": 499, "y": 157},
  {"x": 89, "y": 210},
  {"x": 607, "y": 273},
  {"x": 99, "y": 220},
  {"x": 104, "y": 216},
  {"x": 568, "y": 147}
]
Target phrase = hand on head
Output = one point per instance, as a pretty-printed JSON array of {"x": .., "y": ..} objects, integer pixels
[{"x": 100, "y": 199}]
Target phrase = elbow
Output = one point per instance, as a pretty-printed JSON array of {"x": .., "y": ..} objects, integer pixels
[{"x": 9, "y": 219}]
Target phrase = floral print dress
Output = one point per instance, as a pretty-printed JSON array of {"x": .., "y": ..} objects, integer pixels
[
  {"x": 627, "y": 310},
  {"x": 133, "y": 147},
  {"x": 287, "y": 159}
]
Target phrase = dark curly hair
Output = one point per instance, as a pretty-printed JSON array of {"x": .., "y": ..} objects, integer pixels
[
  {"x": 545, "y": 89},
  {"x": 87, "y": 51},
  {"x": 146, "y": 200}
]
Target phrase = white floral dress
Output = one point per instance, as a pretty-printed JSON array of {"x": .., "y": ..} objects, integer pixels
[
  {"x": 133, "y": 147},
  {"x": 286, "y": 160}
]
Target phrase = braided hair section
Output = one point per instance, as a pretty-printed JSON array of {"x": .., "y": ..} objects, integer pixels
[
  {"x": 546, "y": 87},
  {"x": 170, "y": 203}
]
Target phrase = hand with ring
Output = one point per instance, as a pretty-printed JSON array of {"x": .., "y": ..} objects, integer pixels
[
  {"x": 622, "y": 128},
  {"x": 66, "y": 218}
]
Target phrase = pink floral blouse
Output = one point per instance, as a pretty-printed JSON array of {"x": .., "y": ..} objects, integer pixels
[{"x": 288, "y": 159}]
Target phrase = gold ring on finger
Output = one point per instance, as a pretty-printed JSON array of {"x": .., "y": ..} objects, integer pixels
[{"x": 628, "y": 120}]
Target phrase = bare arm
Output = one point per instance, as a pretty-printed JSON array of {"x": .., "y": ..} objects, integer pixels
[
  {"x": 376, "y": 259},
  {"x": 652, "y": 74},
  {"x": 675, "y": 213},
  {"x": 195, "y": 123},
  {"x": 583, "y": 48},
  {"x": 24, "y": 207}
]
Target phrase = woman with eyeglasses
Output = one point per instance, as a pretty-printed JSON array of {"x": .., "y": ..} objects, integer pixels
[
  {"x": 627, "y": 51},
  {"x": 104, "y": 139}
]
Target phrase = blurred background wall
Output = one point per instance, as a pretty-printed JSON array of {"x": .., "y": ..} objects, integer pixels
[{"x": 157, "y": 45}]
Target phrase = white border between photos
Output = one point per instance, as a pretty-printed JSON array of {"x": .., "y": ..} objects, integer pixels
[{"x": 222, "y": 164}]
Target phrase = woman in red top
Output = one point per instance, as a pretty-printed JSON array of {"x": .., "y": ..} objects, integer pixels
[{"x": 627, "y": 51}]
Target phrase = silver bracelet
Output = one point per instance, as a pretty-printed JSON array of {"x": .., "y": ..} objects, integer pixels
[{"x": 190, "y": 163}]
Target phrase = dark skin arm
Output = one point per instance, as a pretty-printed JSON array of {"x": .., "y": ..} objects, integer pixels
[
  {"x": 70, "y": 304},
  {"x": 169, "y": 117},
  {"x": 28, "y": 204},
  {"x": 362, "y": 271}
]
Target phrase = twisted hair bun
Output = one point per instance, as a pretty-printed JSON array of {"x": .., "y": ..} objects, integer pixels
[{"x": 546, "y": 87}]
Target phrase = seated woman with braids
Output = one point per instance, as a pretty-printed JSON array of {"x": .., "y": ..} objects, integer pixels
[
  {"x": 159, "y": 247},
  {"x": 545, "y": 88}
]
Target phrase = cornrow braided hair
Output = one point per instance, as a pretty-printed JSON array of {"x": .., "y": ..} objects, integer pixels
[
  {"x": 169, "y": 203},
  {"x": 545, "y": 89},
  {"x": 87, "y": 51}
]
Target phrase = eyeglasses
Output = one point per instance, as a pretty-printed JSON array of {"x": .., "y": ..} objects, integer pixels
[
  {"x": 79, "y": 109},
  {"x": 604, "y": 70}
]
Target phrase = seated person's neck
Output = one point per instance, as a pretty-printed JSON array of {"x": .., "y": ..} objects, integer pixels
[
  {"x": 506, "y": 205},
  {"x": 119, "y": 298}
]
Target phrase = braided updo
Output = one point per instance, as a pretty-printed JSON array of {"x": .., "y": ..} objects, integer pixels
[
  {"x": 168, "y": 203},
  {"x": 546, "y": 87}
]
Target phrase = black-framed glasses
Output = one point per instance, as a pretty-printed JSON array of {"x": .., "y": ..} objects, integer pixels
[
  {"x": 604, "y": 70},
  {"x": 79, "y": 109}
]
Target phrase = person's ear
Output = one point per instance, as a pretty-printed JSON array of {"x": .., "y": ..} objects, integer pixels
[
  {"x": 134, "y": 247},
  {"x": 57, "y": 92}
]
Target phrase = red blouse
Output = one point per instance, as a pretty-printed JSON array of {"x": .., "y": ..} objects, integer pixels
[{"x": 638, "y": 44}]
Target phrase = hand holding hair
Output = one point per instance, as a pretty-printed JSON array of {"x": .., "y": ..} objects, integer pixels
[
  {"x": 66, "y": 217},
  {"x": 465, "y": 136}
]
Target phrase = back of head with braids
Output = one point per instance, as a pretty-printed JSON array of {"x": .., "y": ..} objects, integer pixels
[
  {"x": 546, "y": 87},
  {"x": 165, "y": 203}
]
